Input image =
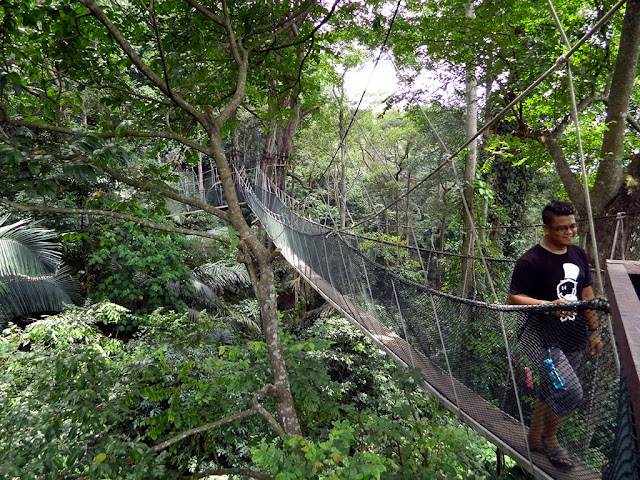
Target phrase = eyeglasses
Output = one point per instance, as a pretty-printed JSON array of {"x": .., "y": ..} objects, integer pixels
[{"x": 563, "y": 228}]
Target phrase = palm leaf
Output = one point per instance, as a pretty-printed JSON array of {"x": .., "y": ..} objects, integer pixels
[
  {"x": 26, "y": 249},
  {"x": 28, "y": 295},
  {"x": 31, "y": 280},
  {"x": 205, "y": 294}
]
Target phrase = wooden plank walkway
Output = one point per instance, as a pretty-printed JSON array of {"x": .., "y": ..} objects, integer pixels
[{"x": 499, "y": 428}]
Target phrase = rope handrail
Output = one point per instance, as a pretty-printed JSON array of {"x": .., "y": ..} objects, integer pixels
[{"x": 599, "y": 304}]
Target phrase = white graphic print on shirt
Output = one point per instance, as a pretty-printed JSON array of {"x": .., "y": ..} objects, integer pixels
[{"x": 568, "y": 287}]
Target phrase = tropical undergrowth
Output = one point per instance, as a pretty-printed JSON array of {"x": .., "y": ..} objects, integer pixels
[{"x": 75, "y": 403}]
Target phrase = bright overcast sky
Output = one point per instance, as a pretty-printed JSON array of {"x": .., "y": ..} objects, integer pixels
[{"x": 378, "y": 86}]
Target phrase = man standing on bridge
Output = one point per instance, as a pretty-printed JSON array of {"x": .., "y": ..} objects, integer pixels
[{"x": 551, "y": 272}]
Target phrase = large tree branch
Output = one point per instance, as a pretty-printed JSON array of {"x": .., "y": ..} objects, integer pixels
[
  {"x": 125, "y": 133},
  {"x": 567, "y": 175},
  {"x": 143, "y": 185},
  {"x": 271, "y": 29},
  {"x": 241, "y": 57},
  {"x": 147, "y": 186},
  {"x": 223, "y": 21},
  {"x": 207, "y": 12},
  {"x": 582, "y": 104},
  {"x": 300, "y": 17},
  {"x": 293, "y": 24},
  {"x": 230, "y": 471},
  {"x": 237, "y": 49},
  {"x": 156, "y": 34},
  {"x": 549, "y": 139},
  {"x": 23, "y": 207},
  {"x": 256, "y": 408},
  {"x": 633, "y": 123},
  {"x": 298, "y": 81},
  {"x": 128, "y": 91},
  {"x": 141, "y": 65}
]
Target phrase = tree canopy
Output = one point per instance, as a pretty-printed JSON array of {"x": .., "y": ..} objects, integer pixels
[{"x": 108, "y": 107}]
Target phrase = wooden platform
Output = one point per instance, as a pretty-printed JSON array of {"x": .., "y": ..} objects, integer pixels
[
  {"x": 499, "y": 428},
  {"x": 623, "y": 292}
]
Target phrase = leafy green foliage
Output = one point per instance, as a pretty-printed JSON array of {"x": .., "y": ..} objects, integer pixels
[
  {"x": 76, "y": 403},
  {"x": 389, "y": 251},
  {"x": 140, "y": 269},
  {"x": 64, "y": 408},
  {"x": 103, "y": 403},
  {"x": 331, "y": 459},
  {"x": 389, "y": 428}
]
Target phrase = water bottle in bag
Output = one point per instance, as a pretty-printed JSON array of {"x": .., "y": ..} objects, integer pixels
[{"x": 557, "y": 380}]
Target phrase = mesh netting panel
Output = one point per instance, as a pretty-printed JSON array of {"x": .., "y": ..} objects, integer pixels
[
  {"x": 476, "y": 358},
  {"x": 627, "y": 460}
]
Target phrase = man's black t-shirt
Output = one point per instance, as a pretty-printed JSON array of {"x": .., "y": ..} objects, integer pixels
[{"x": 548, "y": 276}]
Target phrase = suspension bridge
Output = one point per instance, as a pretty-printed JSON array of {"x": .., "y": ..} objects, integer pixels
[{"x": 466, "y": 351}]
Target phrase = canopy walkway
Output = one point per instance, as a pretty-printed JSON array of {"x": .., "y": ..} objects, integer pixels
[{"x": 466, "y": 351}]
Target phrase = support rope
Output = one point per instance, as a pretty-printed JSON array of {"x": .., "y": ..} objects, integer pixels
[
  {"x": 355, "y": 113},
  {"x": 492, "y": 288},
  {"x": 583, "y": 169},
  {"x": 402, "y": 322}
]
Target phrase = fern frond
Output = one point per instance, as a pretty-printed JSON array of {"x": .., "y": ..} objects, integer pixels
[
  {"x": 220, "y": 276},
  {"x": 245, "y": 323},
  {"x": 245, "y": 316}
]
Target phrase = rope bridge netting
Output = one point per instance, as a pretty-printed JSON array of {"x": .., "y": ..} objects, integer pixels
[{"x": 471, "y": 354}]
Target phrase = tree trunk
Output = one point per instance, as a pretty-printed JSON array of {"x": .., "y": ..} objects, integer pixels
[
  {"x": 342, "y": 190},
  {"x": 263, "y": 281},
  {"x": 609, "y": 178},
  {"x": 201, "y": 178},
  {"x": 278, "y": 148},
  {"x": 265, "y": 291},
  {"x": 624, "y": 229},
  {"x": 469, "y": 174}
]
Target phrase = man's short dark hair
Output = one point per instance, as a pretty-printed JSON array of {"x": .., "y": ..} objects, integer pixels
[{"x": 556, "y": 209}]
